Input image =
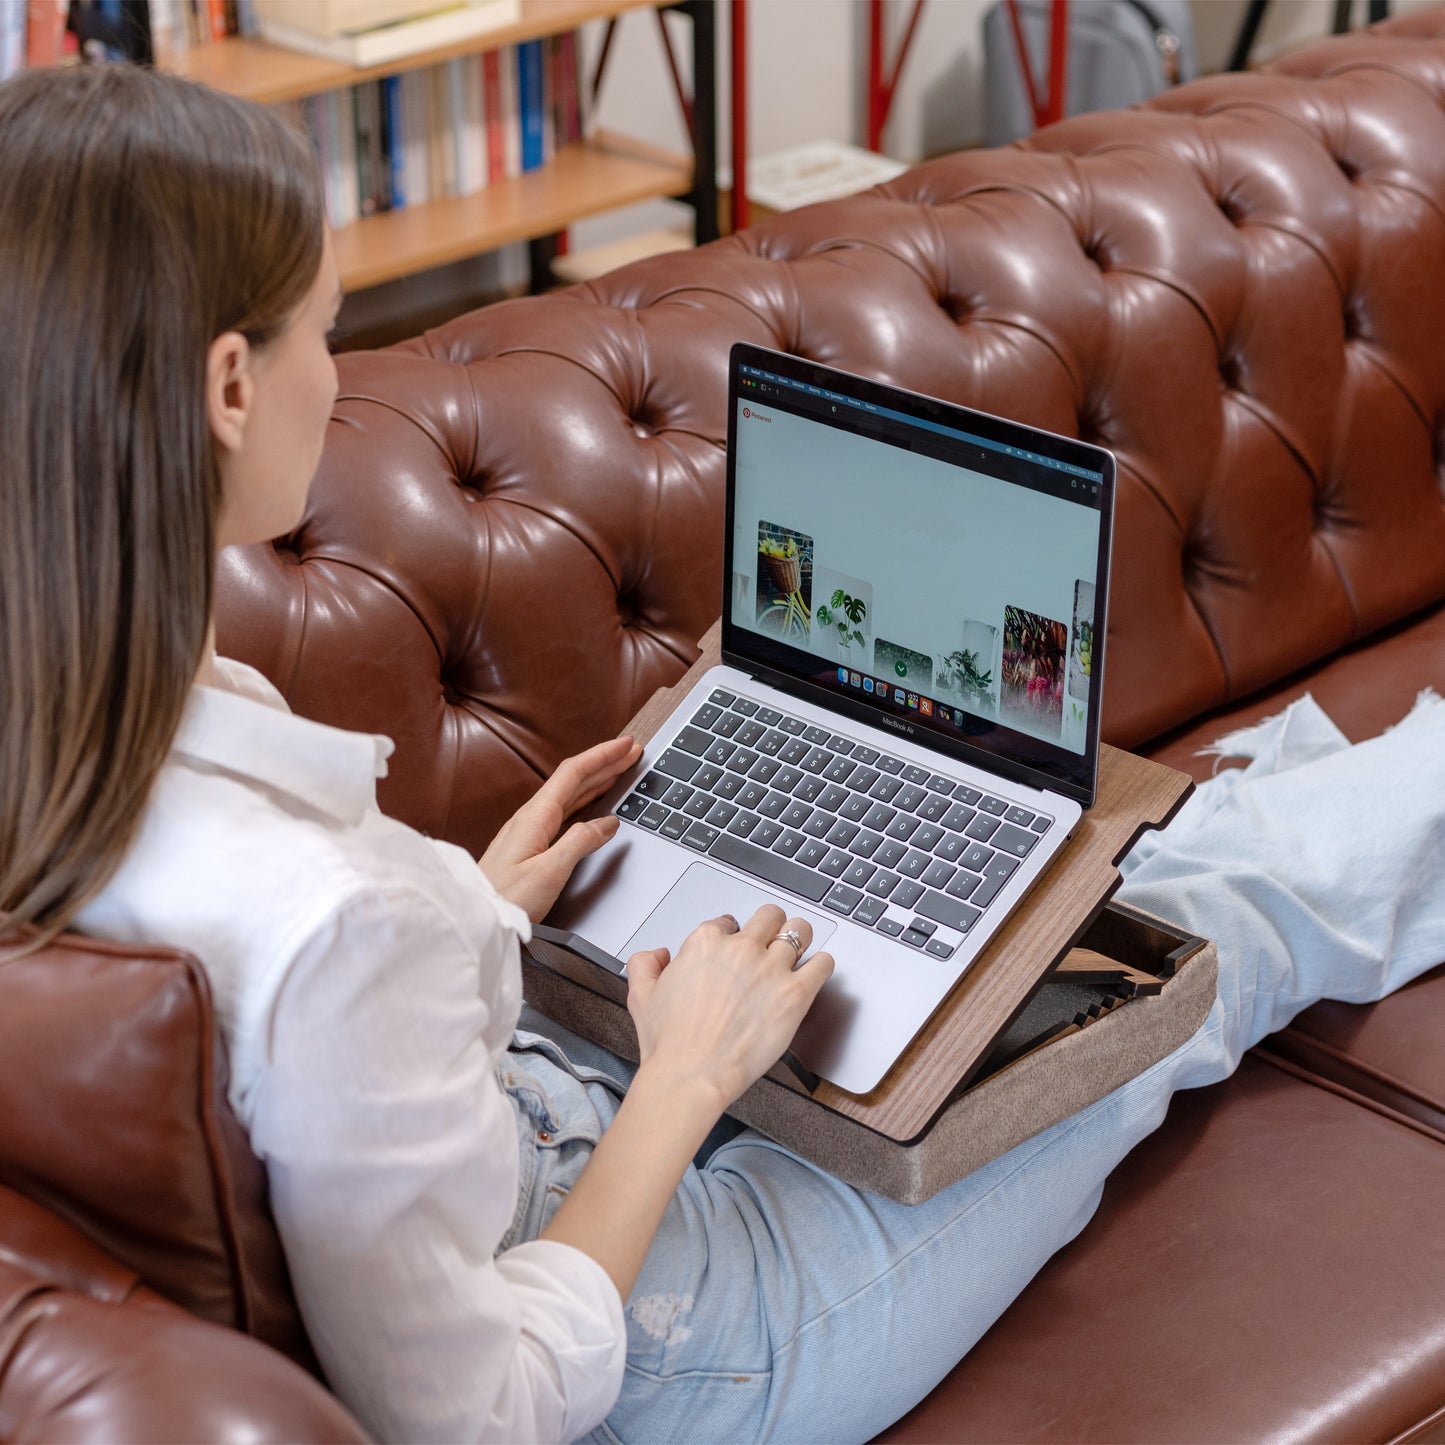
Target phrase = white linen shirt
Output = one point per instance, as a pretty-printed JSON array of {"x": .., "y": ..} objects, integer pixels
[{"x": 366, "y": 982}]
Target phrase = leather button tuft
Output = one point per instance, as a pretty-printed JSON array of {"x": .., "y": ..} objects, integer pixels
[
  {"x": 959, "y": 310},
  {"x": 1230, "y": 373},
  {"x": 1090, "y": 429}
]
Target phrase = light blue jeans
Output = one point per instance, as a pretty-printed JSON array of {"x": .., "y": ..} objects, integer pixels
[{"x": 779, "y": 1304}]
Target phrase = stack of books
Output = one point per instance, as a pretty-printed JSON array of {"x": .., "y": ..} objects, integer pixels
[
  {"x": 448, "y": 130},
  {"x": 355, "y": 32},
  {"x": 377, "y": 32}
]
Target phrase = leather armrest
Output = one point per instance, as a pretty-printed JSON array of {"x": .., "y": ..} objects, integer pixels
[{"x": 88, "y": 1353}]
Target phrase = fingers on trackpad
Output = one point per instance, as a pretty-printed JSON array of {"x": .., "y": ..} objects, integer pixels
[{"x": 705, "y": 892}]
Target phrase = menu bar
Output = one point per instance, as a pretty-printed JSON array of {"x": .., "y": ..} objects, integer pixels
[{"x": 823, "y": 393}]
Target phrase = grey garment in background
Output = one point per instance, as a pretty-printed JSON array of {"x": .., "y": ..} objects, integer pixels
[{"x": 1114, "y": 59}]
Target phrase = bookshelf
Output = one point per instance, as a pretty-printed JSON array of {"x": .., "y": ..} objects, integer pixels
[
  {"x": 597, "y": 175},
  {"x": 601, "y": 173}
]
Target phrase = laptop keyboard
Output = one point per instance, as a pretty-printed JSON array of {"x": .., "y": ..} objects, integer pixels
[{"x": 834, "y": 821}]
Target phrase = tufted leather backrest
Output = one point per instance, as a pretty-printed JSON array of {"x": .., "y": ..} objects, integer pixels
[
  {"x": 113, "y": 1116},
  {"x": 515, "y": 534}
]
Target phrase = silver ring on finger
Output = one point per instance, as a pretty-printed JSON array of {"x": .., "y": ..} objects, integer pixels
[{"x": 792, "y": 936}]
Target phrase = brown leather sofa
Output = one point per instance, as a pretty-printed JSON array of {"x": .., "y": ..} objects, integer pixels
[{"x": 514, "y": 539}]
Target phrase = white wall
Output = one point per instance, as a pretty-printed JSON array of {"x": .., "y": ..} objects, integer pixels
[{"x": 807, "y": 66}]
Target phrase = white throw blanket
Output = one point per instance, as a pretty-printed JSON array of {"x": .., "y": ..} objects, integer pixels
[{"x": 1319, "y": 869}]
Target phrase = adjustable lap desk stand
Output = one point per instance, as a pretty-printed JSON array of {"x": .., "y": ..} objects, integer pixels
[{"x": 1074, "y": 996}]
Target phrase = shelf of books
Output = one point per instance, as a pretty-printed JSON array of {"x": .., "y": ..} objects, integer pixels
[
  {"x": 251, "y": 67},
  {"x": 583, "y": 179},
  {"x": 451, "y": 150}
]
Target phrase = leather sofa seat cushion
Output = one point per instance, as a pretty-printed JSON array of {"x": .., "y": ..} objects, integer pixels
[
  {"x": 1390, "y": 1052},
  {"x": 1363, "y": 690},
  {"x": 1204, "y": 1300},
  {"x": 130, "y": 1138},
  {"x": 88, "y": 1353}
]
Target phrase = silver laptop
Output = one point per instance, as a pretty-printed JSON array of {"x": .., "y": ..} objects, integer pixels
[{"x": 905, "y": 727}]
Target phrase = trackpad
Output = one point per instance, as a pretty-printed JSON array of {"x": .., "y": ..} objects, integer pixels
[{"x": 702, "y": 893}]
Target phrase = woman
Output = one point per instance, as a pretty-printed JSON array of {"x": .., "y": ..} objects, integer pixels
[{"x": 466, "y": 1209}]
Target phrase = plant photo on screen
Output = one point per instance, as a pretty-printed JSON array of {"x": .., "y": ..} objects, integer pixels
[
  {"x": 1034, "y": 652},
  {"x": 1081, "y": 643},
  {"x": 968, "y": 675},
  {"x": 843, "y": 616}
]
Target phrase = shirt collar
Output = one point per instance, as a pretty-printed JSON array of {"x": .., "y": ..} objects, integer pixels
[{"x": 328, "y": 769}]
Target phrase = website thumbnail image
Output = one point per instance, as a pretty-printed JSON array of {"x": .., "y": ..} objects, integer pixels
[{"x": 961, "y": 599}]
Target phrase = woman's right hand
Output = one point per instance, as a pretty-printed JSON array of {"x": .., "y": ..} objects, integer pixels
[{"x": 725, "y": 1009}]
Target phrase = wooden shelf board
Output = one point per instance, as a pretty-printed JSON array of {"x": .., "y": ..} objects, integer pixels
[
  {"x": 270, "y": 73},
  {"x": 596, "y": 175}
]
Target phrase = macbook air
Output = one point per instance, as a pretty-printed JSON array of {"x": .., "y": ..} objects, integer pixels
[{"x": 904, "y": 728}]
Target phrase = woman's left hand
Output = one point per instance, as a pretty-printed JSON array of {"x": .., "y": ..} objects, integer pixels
[{"x": 528, "y": 863}]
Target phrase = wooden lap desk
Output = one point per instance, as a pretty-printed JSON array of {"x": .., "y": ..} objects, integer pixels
[{"x": 1133, "y": 795}]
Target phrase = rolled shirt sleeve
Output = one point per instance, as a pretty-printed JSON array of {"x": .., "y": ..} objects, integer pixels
[{"x": 392, "y": 1154}]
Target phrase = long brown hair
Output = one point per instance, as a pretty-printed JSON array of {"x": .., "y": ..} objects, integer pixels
[{"x": 141, "y": 216}]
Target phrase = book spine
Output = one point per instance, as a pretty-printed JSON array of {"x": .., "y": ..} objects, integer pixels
[
  {"x": 385, "y": 164},
  {"x": 319, "y": 121},
  {"x": 571, "y": 88},
  {"x": 456, "y": 107},
  {"x": 44, "y": 31},
  {"x": 246, "y": 21},
  {"x": 215, "y": 19},
  {"x": 531, "y": 100},
  {"x": 471, "y": 128},
  {"x": 549, "y": 98},
  {"x": 345, "y": 129},
  {"x": 395, "y": 138},
  {"x": 12, "y": 37},
  {"x": 416, "y": 163},
  {"x": 443, "y": 147},
  {"x": 511, "y": 121},
  {"x": 361, "y": 152},
  {"x": 361, "y": 112},
  {"x": 435, "y": 178},
  {"x": 477, "y": 116},
  {"x": 168, "y": 29},
  {"x": 492, "y": 108}
]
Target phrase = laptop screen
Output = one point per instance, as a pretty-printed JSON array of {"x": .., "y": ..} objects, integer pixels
[{"x": 923, "y": 566}]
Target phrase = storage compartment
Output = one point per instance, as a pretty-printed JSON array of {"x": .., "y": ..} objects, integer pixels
[{"x": 1071, "y": 1044}]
